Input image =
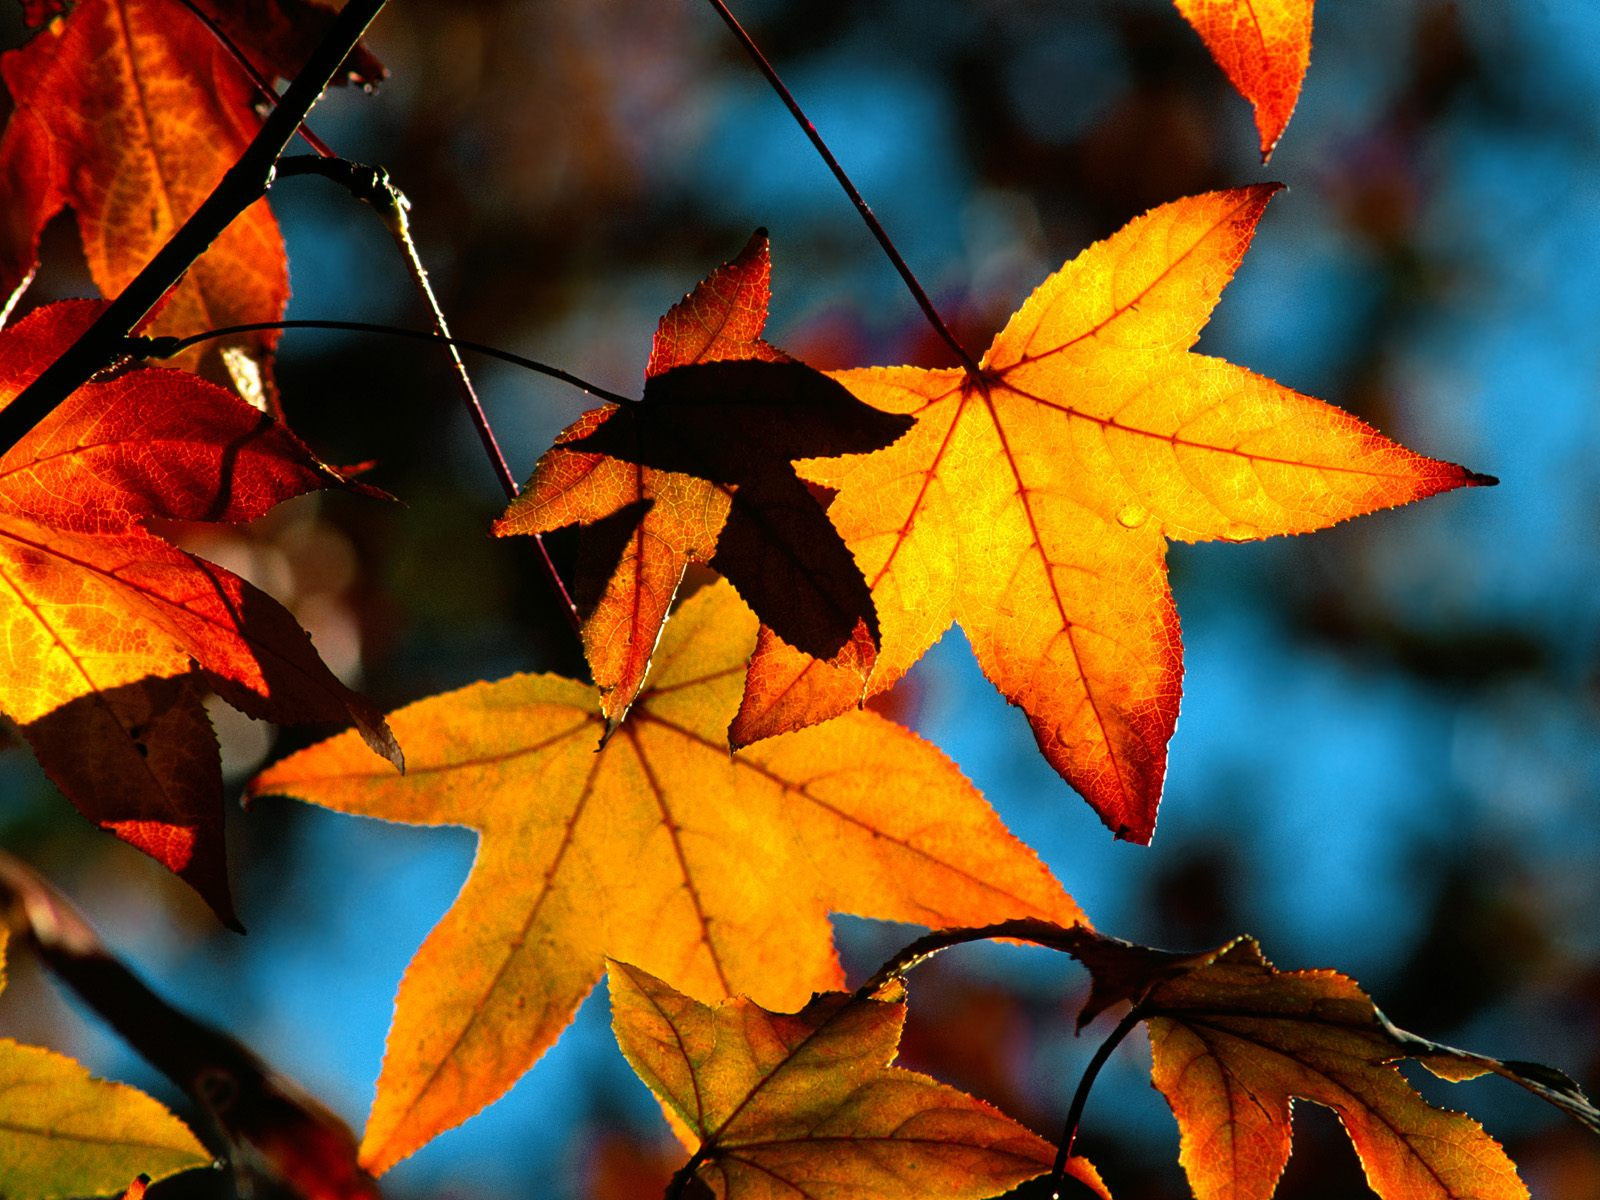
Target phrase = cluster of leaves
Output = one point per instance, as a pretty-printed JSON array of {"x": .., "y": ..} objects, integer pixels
[{"x": 694, "y": 817}]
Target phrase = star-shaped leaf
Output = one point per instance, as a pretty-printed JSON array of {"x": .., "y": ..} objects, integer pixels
[
  {"x": 1235, "y": 1042},
  {"x": 717, "y": 872},
  {"x": 1034, "y": 504},
  {"x": 700, "y": 471},
  {"x": 778, "y": 1105}
]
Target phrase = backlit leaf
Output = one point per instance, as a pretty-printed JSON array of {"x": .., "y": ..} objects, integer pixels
[
  {"x": 64, "y": 1134},
  {"x": 1264, "y": 47},
  {"x": 110, "y": 633},
  {"x": 701, "y": 472},
  {"x": 1235, "y": 1041},
  {"x": 781, "y": 1105},
  {"x": 1035, "y": 508},
  {"x": 717, "y": 872},
  {"x": 128, "y": 112}
]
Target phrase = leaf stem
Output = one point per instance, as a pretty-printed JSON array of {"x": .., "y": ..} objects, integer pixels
[
  {"x": 1022, "y": 929},
  {"x": 1080, "y": 1098},
  {"x": 167, "y": 347},
  {"x": 968, "y": 363},
  {"x": 243, "y": 183},
  {"x": 677, "y": 1186},
  {"x": 263, "y": 87}
]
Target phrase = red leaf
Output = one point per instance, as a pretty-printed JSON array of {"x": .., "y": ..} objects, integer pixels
[
  {"x": 128, "y": 112},
  {"x": 111, "y": 632}
]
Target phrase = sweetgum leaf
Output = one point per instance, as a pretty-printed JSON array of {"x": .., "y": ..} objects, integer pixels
[
  {"x": 128, "y": 112},
  {"x": 778, "y": 1105},
  {"x": 701, "y": 471},
  {"x": 1264, "y": 47},
  {"x": 737, "y": 426},
  {"x": 718, "y": 872},
  {"x": 1036, "y": 504},
  {"x": 110, "y": 632},
  {"x": 1235, "y": 1042}
]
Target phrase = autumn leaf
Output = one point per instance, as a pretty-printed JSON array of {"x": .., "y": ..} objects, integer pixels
[
  {"x": 111, "y": 634},
  {"x": 777, "y": 1105},
  {"x": 1264, "y": 47},
  {"x": 715, "y": 871},
  {"x": 279, "y": 1139},
  {"x": 701, "y": 472},
  {"x": 63, "y": 1133},
  {"x": 1235, "y": 1041},
  {"x": 128, "y": 112},
  {"x": 1034, "y": 505}
]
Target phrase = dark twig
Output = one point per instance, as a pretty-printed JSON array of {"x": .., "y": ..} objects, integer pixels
[
  {"x": 167, "y": 347},
  {"x": 1069, "y": 1134},
  {"x": 968, "y": 363},
  {"x": 244, "y": 183},
  {"x": 373, "y": 187},
  {"x": 263, "y": 86},
  {"x": 1067, "y": 940},
  {"x": 677, "y": 1186}
]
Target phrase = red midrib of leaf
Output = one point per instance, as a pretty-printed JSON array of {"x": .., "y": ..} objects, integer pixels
[
  {"x": 513, "y": 946},
  {"x": 94, "y": 687},
  {"x": 670, "y": 824},
  {"x": 694, "y": 1076},
  {"x": 1174, "y": 440},
  {"x": 695, "y": 682},
  {"x": 1122, "y": 308},
  {"x": 481, "y": 760},
  {"x": 142, "y": 109},
  {"x": 1067, "y": 624},
  {"x": 777, "y": 1070}
]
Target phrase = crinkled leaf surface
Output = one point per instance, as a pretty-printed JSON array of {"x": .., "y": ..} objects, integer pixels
[
  {"x": 700, "y": 471},
  {"x": 128, "y": 112},
  {"x": 1235, "y": 1041},
  {"x": 780, "y": 1105},
  {"x": 64, "y": 1133},
  {"x": 1035, "y": 509},
  {"x": 716, "y": 872},
  {"x": 110, "y": 633},
  {"x": 1264, "y": 47}
]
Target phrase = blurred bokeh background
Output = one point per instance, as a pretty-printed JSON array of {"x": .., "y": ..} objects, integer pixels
[{"x": 1389, "y": 755}]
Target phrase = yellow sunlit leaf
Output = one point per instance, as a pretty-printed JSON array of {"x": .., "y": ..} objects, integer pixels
[{"x": 716, "y": 872}]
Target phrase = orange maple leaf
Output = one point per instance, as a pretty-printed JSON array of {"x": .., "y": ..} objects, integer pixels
[
  {"x": 1034, "y": 505},
  {"x": 776, "y": 1105},
  {"x": 700, "y": 472},
  {"x": 1264, "y": 47},
  {"x": 129, "y": 112},
  {"x": 1234, "y": 1041},
  {"x": 111, "y": 634},
  {"x": 716, "y": 871}
]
